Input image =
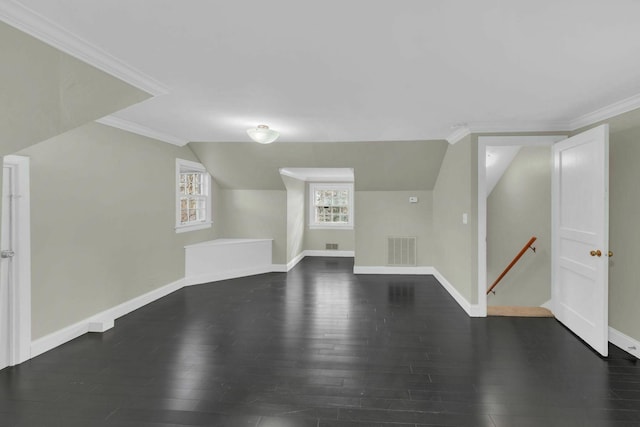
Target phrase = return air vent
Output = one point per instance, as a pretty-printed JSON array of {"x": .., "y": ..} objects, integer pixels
[
  {"x": 331, "y": 246},
  {"x": 401, "y": 251}
]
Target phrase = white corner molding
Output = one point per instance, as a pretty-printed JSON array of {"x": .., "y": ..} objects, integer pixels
[
  {"x": 624, "y": 342},
  {"x": 607, "y": 112},
  {"x": 132, "y": 127},
  {"x": 102, "y": 321},
  {"x": 24, "y": 19},
  {"x": 294, "y": 261},
  {"x": 458, "y": 135}
]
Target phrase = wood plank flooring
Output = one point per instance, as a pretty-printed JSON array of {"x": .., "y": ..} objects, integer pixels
[{"x": 321, "y": 347}]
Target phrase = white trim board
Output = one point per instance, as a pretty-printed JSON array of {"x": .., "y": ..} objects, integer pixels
[
  {"x": 20, "y": 286},
  {"x": 101, "y": 321},
  {"x": 473, "y": 310},
  {"x": 36, "y": 25},
  {"x": 624, "y": 342},
  {"x": 132, "y": 127},
  {"x": 372, "y": 269},
  {"x": 284, "y": 268},
  {"x": 483, "y": 143}
]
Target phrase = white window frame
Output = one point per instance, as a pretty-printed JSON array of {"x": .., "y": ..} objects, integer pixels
[
  {"x": 183, "y": 166},
  {"x": 313, "y": 224}
]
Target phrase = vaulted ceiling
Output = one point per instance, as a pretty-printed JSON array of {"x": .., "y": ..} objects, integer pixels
[{"x": 358, "y": 70}]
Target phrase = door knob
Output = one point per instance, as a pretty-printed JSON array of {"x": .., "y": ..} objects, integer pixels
[
  {"x": 610, "y": 254},
  {"x": 596, "y": 253}
]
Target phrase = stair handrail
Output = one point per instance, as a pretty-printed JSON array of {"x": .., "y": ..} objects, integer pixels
[{"x": 515, "y": 260}]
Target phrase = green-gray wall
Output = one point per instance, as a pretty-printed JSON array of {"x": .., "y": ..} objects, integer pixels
[
  {"x": 46, "y": 92},
  {"x": 255, "y": 214},
  {"x": 383, "y": 214},
  {"x": 378, "y": 165},
  {"x": 518, "y": 208},
  {"x": 624, "y": 233},
  {"x": 102, "y": 223},
  {"x": 456, "y": 246}
]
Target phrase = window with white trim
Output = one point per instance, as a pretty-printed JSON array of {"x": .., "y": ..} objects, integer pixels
[
  {"x": 193, "y": 196},
  {"x": 331, "y": 205}
]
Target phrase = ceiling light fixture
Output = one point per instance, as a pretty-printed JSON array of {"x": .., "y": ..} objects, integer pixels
[{"x": 262, "y": 134}]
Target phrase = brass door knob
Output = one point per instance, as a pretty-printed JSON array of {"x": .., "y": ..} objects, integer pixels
[
  {"x": 610, "y": 254},
  {"x": 596, "y": 253}
]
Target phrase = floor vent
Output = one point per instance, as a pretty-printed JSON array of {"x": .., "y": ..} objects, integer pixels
[
  {"x": 331, "y": 246},
  {"x": 401, "y": 251}
]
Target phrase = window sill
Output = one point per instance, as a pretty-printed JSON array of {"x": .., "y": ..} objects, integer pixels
[
  {"x": 193, "y": 227},
  {"x": 330, "y": 227}
]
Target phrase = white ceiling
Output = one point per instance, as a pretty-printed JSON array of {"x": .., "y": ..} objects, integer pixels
[{"x": 357, "y": 70}]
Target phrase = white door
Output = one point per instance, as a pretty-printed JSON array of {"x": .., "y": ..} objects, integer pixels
[
  {"x": 5, "y": 267},
  {"x": 580, "y": 286}
]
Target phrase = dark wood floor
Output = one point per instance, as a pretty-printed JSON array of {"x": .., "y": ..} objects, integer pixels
[{"x": 321, "y": 347}]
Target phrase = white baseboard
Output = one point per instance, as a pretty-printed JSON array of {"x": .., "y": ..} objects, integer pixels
[
  {"x": 471, "y": 310},
  {"x": 232, "y": 274},
  {"x": 280, "y": 268},
  {"x": 624, "y": 342},
  {"x": 295, "y": 260},
  {"x": 330, "y": 253},
  {"x": 371, "y": 269},
  {"x": 101, "y": 321}
]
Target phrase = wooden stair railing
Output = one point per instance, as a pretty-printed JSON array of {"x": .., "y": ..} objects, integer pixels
[{"x": 515, "y": 260}]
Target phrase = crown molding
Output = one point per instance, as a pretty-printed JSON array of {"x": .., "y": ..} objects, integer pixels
[
  {"x": 141, "y": 130},
  {"x": 607, "y": 112},
  {"x": 315, "y": 175},
  {"x": 504, "y": 127},
  {"x": 36, "y": 25},
  {"x": 518, "y": 127},
  {"x": 458, "y": 134}
]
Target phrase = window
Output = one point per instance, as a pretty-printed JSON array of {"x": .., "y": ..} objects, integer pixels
[
  {"x": 193, "y": 196},
  {"x": 331, "y": 205}
]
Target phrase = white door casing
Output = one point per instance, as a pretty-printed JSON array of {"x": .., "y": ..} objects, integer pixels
[
  {"x": 483, "y": 143},
  {"x": 5, "y": 268},
  {"x": 580, "y": 264},
  {"x": 15, "y": 272}
]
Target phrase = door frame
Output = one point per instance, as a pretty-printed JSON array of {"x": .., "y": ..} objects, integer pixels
[
  {"x": 483, "y": 143},
  {"x": 20, "y": 285}
]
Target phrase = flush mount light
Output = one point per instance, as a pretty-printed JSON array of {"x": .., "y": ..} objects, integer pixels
[{"x": 262, "y": 134}]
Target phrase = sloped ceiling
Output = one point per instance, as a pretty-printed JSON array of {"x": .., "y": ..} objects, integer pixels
[
  {"x": 378, "y": 166},
  {"x": 44, "y": 92}
]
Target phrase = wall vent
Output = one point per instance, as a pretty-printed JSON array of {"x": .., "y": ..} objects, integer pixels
[
  {"x": 401, "y": 251},
  {"x": 331, "y": 246}
]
